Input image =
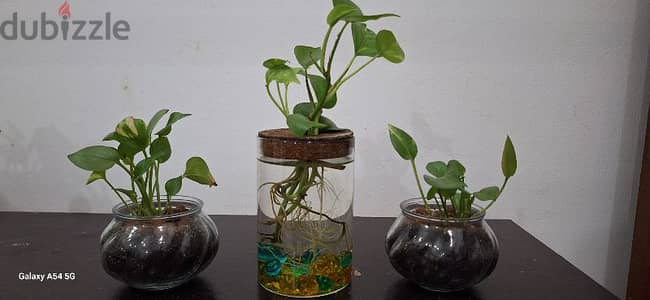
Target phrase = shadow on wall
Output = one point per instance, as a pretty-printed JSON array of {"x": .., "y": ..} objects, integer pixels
[
  {"x": 35, "y": 165},
  {"x": 633, "y": 133}
]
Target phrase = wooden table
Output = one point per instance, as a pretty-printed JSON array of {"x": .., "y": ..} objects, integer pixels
[{"x": 68, "y": 243}]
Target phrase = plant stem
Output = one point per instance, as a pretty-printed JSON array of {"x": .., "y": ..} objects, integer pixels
[
  {"x": 328, "y": 71},
  {"x": 323, "y": 48},
  {"x": 157, "y": 185},
  {"x": 417, "y": 180},
  {"x": 346, "y": 70},
  {"x": 358, "y": 70},
  {"x": 286, "y": 96},
  {"x": 268, "y": 92},
  {"x": 119, "y": 196},
  {"x": 311, "y": 97},
  {"x": 342, "y": 80},
  {"x": 277, "y": 86}
]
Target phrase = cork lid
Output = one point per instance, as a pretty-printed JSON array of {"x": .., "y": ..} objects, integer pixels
[{"x": 281, "y": 143}]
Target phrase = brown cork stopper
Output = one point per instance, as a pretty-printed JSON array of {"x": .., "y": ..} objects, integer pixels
[{"x": 281, "y": 143}]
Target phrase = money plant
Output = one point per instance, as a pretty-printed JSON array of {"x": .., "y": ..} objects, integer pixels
[
  {"x": 315, "y": 68},
  {"x": 140, "y": 153},
  {"x": 448, "y": 190}
]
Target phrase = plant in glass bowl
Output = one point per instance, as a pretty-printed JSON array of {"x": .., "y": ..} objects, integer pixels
[
  {"x": 441, "y": 240},
  {"x": 156, "y": 240},
  {"x": 305, "y": 171}
]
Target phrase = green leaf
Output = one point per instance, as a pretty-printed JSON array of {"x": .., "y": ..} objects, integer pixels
[
  {"x": 154, "y": 120},
  {"x": 143, "y": 137},
  {"x": 403, "y": 143},
  {"x": 330, "y": 124},
  {"x": 437, "y": 168},
  {"x": 173, "y": 118},
  {"x": 197, "y": 170},
  {"x": 143, "y": 166},
  {"x": 365, "y": 40},
  {"x": 95, "y": 158},
  {"x": 340, "y": 11},
  {"x": 455, "y": 168},
  {"x": 282, "y": 74},
  {"x": 307, "y": 55},
  {"x": 161, "y": 149},
  {"x": 355, "y": 19},
  {"x": 129, "y": 193},
  {"x": 432, "y": 193},
  {"x": 488, "y": 193},
  {"x": 303, "y": 108},
  {"x": 321, "y": 86},
  {"x": 127, "y": 147},
  {"x": 173, "y": 186},
  {"x": 132, "y": 130},
  {"x": 111, "y": 137},
  {"x": 299, "y": 124},
  {"x": 346, "y": 2},
  {"x": 96, "y": 175},
  {"x": 274, "y": 62},
  {"x": 444, "y": 183},
  {"x": 388, "y": 47},
  {"x": 508, "y": 159}
]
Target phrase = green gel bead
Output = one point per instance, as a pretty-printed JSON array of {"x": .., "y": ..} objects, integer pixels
[
  {"x": 324, "y": 283},
  {"x": 346, "y": 260}
]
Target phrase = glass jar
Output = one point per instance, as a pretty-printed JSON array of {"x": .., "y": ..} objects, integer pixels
[
  {"x": 159, "y": 252},
  {"x": 438, "y": 254},
  {"x": 304, "y": 215}
]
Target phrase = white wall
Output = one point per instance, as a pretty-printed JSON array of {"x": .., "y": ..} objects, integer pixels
[{"x": 564, "y": 78}]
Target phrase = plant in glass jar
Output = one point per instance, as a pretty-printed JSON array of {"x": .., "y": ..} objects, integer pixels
[
  {"x": 305, "y": 171},
  {"x": 142, "y": 245},
  {"x": 441, "y": 241}
]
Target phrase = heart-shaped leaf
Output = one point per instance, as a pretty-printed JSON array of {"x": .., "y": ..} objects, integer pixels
[
  {"x": 95, "y": 158},
  {"x": 160, "y": 149},
  {"x": 173, "y": 186},
  {"x": 346, "y": 2},
  {"x": 331, "y": 126},
  {"x": 299, "y": 124},
  {"x": 455, "y": 168},
  {"x": 340, "y": 11},
  {"x": 173, "y": 118},
  {"x": 508, "y": 159},
  {"x": 321, "y": 87},
  {"x": 127, "y": 147},
  {"x": 388, "y": 47},
  {"x": 488, "y": 193},
  {"x": 133, "y": 130},
  {"x": 365, "y": 40},
  {"x": 444, "y": 183},
  {"x": 196, "y": 169},
  {"x": 282, "y": 74},
  {"x": 154, "y": 120},
  {"x": 303, "y": 108},
  {"x": 307, "y": 55},
  {"x": 402, "y": 142},
  {"x": 437, "y": 168}
]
